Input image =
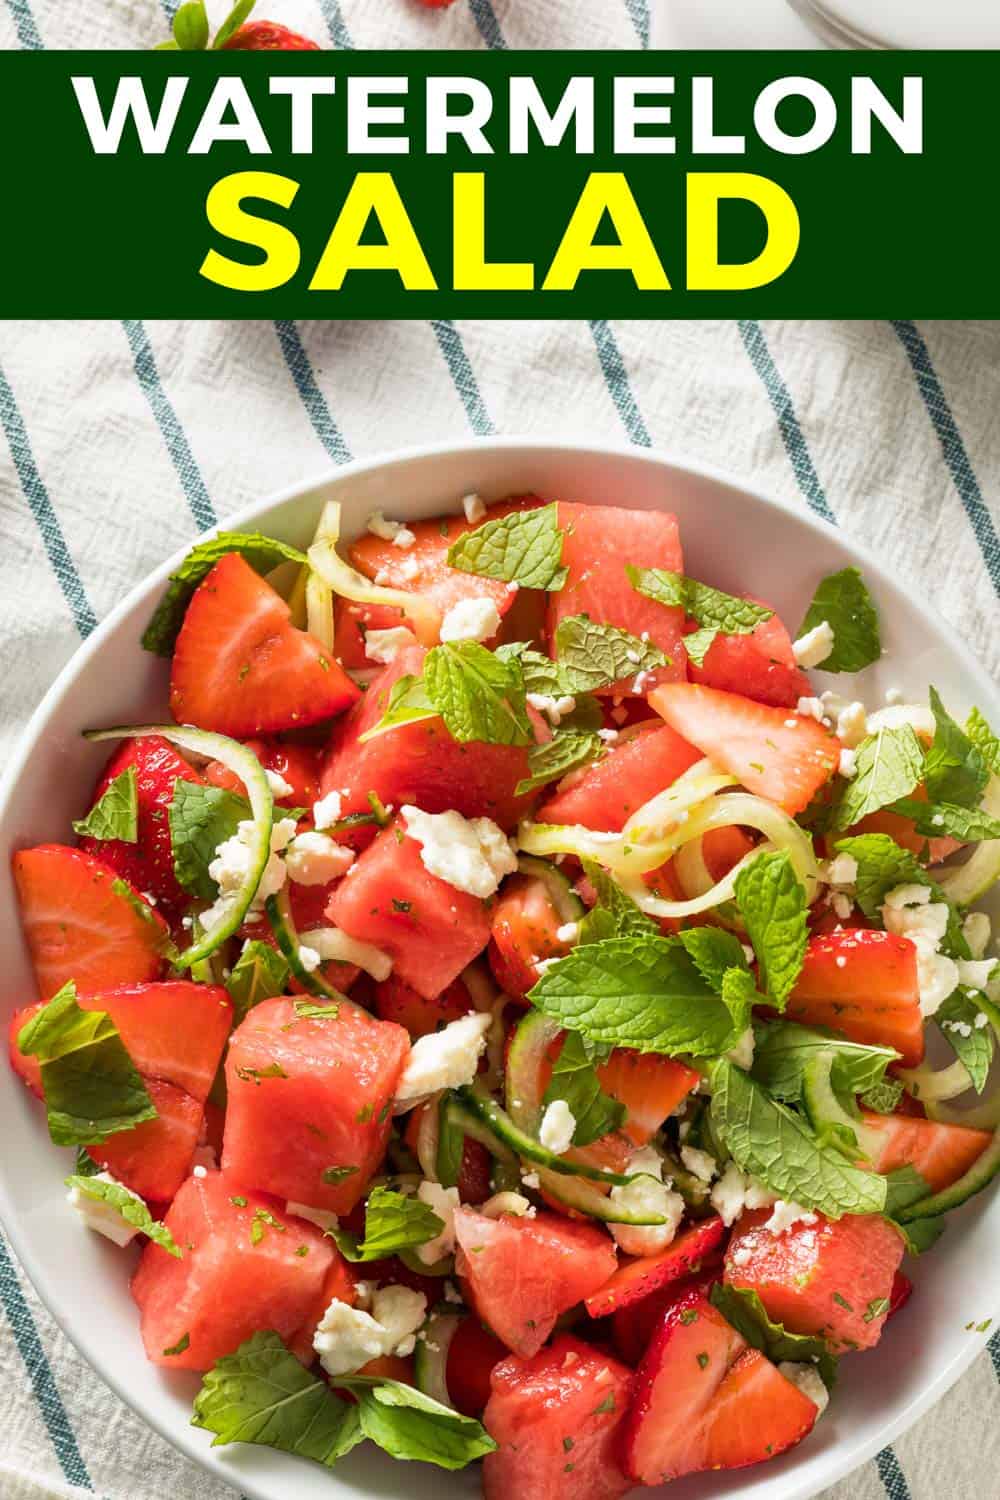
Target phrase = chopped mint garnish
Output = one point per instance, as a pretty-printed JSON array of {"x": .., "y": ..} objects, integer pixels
[
  {"x": 115, "y": 815},
  {"x": 179, "y": 1347}
]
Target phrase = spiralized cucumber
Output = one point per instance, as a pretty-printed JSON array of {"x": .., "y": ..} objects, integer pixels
[
  {"x": 561, "y": 893},
  {"x": 968, "y": 882},
  {"x": 479, "y": 1103},
  {"x": 342, "y": 579},
  {"x": 331, "y": 943},
  {"x": 244, "y": 764},
  {"x": 430, "y": 1358},
  {"x": 279, "y": 914}
]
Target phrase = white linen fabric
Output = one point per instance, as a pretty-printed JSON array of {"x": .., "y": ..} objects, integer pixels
[{"x": 121, "y": 440}]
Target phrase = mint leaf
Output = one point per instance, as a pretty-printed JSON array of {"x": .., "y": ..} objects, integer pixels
[
  {"x": 638, "y": 992},
  {"x": 713, "y": 951},
  {"x": 845, "y": 603},
  {"x": 575, "y": 1080},
  {"x": 393, "y": 1222},
  {"x": 883, "y": 1098},
  {"x": 739, "y": 995},
  {"x": 937, "y": 820},
  {"x": 717, "y": 613},
  {"x": 191, "y": 26},
  {"x": 132, "y": 1209},
  {"x": 262, "y": 1394},
  {"x": 784, "y": 1050},
  {"x": 772, "y": 902},
  {"x": 115, "y": 815},
  {"x": 954, "y": 770},
  {"x": 263, "y": 554},
  {"x": 904, "y": 1186},
  {"x": 259, "y": 973},
  {"x": 233, "y": 22},
  {"x": 541, "y": 674},
  {"x": 775, "y": 1145},
  {"x": 409, "y": 1425},
  {"x": 616, "y": 914},
  {"x": 86, "y": 1166},
  {"x": 478, "y": 695},
  {"x": 201, "y": 818},
  {"x": 971, "y": 1044},
  {"x": 408, "y": 702},
  {"x": 523, "y": 547},
  {"x": 593, "y": 656},
  {"x": 743, "y": 1310},
  {"x": 566, "y": 751},
  {"x": 889, "y": 764},
  {"x": 985, "y": 741},
  {"x": 91, "y": 1086},
  {"x": 882, "y": 865}
]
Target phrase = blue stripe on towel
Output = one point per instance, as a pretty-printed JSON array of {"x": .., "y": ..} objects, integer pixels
[
  {"x": 167, "y": 421},
  {"x": 788, "y": 423}
]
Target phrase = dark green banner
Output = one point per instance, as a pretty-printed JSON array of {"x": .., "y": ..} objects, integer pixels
[{"x": 367, "y": 185}]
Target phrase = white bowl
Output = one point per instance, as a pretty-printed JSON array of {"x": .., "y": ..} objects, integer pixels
[{"x": 732, "y": 537}]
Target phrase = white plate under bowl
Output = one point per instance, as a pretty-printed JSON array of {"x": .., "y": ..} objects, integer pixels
[
  {"x": 732, "y": 537},
  {"x": 931, "y": 25}
]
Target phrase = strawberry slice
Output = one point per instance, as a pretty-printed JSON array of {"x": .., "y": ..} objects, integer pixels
[
  {"x": 154, "y": 1158},
  {"x": 241, "y": 668},
  {"x": 422, "y": 568},
  {"x": 298, "y": 765},
  {"x": 525, "y": 931},
  {"x": 268, "y": 36},
  {"x": 83, "y": 922},
  {"x": 941, "y": 1153},
  {"x": 902, "y": 1290},
  {"x": 148, "y": 864},
  {"x": 633, "y": 1328},
  {"x": 645, "y": 759},
  {"x": 863, "y": 984},
  {"x": 783, "y": 756},
  {"x": 760, "y": 665},
  {"x": 703, "y": 1400},
  {"x": 635, "y": 1280},
  {"x": 650, "y": 1087}
]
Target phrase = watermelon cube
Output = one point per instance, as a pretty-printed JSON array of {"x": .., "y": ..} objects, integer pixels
[
  {"x": 557, "y": 1420},
  {"x": 601, "y": 540},
  {"x": 390, "y": 898},
  {"x": 645, "y": 759},
  {"x": 420, "y": 763},
  {"x": 310, "y": 1101},
  {"x": 520, "y": 1273},
  {"x": 760, "y": 665},
  {"x": 832, "y": 1278},
  {"x": 246, "y": 1266}
]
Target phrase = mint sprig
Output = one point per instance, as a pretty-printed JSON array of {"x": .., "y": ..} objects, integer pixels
[
  {"x": 260, "y": 973},
  {"x": 715, "y": 612},
  {"x": 615, "y": 914},
  {"x": 200, "y": 819},
  {"x": 843, "y": 601},
  {"x": 772, "y": 902},
  {"x": 522, "y": 547},
  {"x": 567, "y": 750},
  {"x": 115, "y": 815},
  {"x": 714, "y": 952},
  {"x": 132, "y": 1209},
  {"x": 593, "y": 656},
  {"x": 574, "y": 1080},
  {"x": 393, "y": 1222},
  {"x": 972, "y": 1044},
  {"x": 479, "y": 696},
  {"x": 784, "y": 1051},
  {"x": 263, "y": 553},
  {"x": 954, "y": 770},
  {"x": 888, "y": 765},
  {"x": 743, "y": 1310},
  {"x": 937, "y": 820}
]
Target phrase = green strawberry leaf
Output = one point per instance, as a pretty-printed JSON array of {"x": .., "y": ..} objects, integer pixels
[{"x": 233, "y": 22}]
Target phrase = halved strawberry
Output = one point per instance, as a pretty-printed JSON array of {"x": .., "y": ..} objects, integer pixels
[
  {"x": 395, "y": 1000},
  {"x": 241, "y": 668},
  {"x": 525, "y": 932},
  {"x": 422, "y": 568},
  {"x": 646, "y": 758},
  {"x": 635, "y": 1280},
  {"x": 473, "y": 1355},
  {"x": 902, "y": 1290},
  {"x": 148, "y": 864},
  {"x": 863, "y": 984},
  {"x": 941, "y": 1153},
  {"x": 783, "y": 756},
  {"x": 760, "y": 665},
  {"x": 154, "y": 1158},
  {"x": 703, "y": 1400},
  {"x": 633, "y": 1327},
  {"x": 268, "y": 36},
  {"x": 650, "y": 1087},
  {"x": 298, "y": 765},
  {"x": 83, "y": 922}
]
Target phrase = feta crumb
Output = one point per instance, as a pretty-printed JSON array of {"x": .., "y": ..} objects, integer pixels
[
  {"x": 607, "y": 735},
  {"x": 475, "y": 508},
  {"x": 741, "y": 1256},
  {"x": 316, "y": 859},
  {"x": 445, "y": 1059},
  {"x": 472, "y": 854},
  {"x": 279, "y": 786},
  {"x": 568, "y": 932},
  {"x": 981, "y": 1021},
  {"x": 507, "y": 1203},
  {"x": 471, "y": 620},
  {"x": 909, "y": 895},
  {"x": 642, "y": 678},
  {"x": 326, "y": 811},
  {"x": 444, "y": 1202},
  {"x": 843, "y": 870},
  {"x": 309, "y": 958},
  {"x": 808, "y": 1380},
  {"x": 733, "y": 1193},
  {"x": 385, "y": 530},
  {"x": 347, "y": 1338},
  {"x": 893, "y": 696},
  {"x": 815, "y": 646},
  {"x": 321, "y": 1217},
  {"x": 557, "y": 1127},
  {"x": 384, "y": 646},
  {"x": 961, "y": 1028},
  {"x": 531, "y": 1180},
  {"x": 699, "y": 1163},
  {"x": 543, "y": 965},
  {"x": 811, "y": 708},
  {"x": 231, "y": 866},
  {"x": 404, "y": 537},
  {"x": 909, "y": 912},
  {"x": 741, "y": 1056},
  {"x": 198, "y": 1170},
  {"x": 847, "y": 764},
  {"x": 976, "y": 930},
  {"x": 400, "y": 1311},
  {"x": 842, "y": 905},
  {"x": 975, "y": 972},
  {"x": 647, "y": 1194},
  {"x": 784, "y": 1215},
  {"x": 852, "y": 725},
  {"x": 102, "y": 1216},
  {"x": 554, "y": 709}
]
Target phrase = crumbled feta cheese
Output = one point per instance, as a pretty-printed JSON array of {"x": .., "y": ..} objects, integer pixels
[
  {"x": 445, "y": 1059},
  {"x": 316, "y": 859},
  {"x": 231, "y": 866},
  {"x": 471, "y": 620},
  {"x": 808, "y": 1380},
  {"x": 554, "y": 709},
  {"x": 568, "y": 932},
  {"x": 909, "y": 912},
  {"x": 647, "y": 1194},
  {"x": 309, "y": 958},
  {"x": 811, "y": 708},
  {"x": 472, "y": 854},
  {"x": 975, "y": 972},
  {"x": 279, "y": 786},
  {"x": 842, "y": 905},
  {"x": 852, "y": 725},
  {"x": 444, "y": 1202},
  {"x": 102, "y": 1216},
  {"x": 404, "y": 537},
  {"x": 733, "y": 1193},
  {"x": 641, "y": 681},
  {"x": 384, "y": 646},
  {"x": 961, "y": 1028},
  {"x": 385, "y": 530},
  {"x": 784, "y": 1215},
  {"x": 531, "y": 1180},
  {"x": 741, "y": 1056},
  {"x": 198, "y": 1170},
  {"x": 847, "y": 764},
  {"x": 741, "y": 1256},
  {"x": 815, "y": 646},
  {"x": 543, "y": 965},
  {"x": 474, "y": 507},
  {"x": 976, "y": 930},
  {"x": 982, "y": 1020},
  {"x": 321, "y": 1217},
  {"x": 607, "y": 735},
  {"x": 893, "y": 696},
  {"x": 400, "y": 1311},
  {"x": 699, "y": 1163},
  {"x": 507, "y": 1203},
  {"x": 557, "y": 1127},
  {"x": 910, "y": 895},
  {"x": 843, "y": 870},
  {"x": 326, "y": 811},
  {"x": 347, "y": 1338}
]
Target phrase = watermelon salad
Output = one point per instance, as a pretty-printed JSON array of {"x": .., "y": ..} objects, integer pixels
[{"x": 506, "y": 1011}]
